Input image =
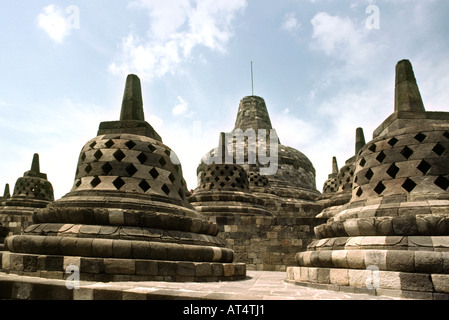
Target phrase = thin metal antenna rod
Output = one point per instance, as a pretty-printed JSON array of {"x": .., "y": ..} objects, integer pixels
[{"x": 252, "y": 79}]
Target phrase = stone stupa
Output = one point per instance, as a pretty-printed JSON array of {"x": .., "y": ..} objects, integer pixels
[
  {"x": 127, "y": 216},
  {"x": 267, "y": 238},
  {"x": 393, "y": 236},
  {"x": 31, "y": 192}
]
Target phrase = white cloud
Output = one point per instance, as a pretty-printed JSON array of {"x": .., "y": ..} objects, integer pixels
[
  {"x": 181, "y": 107},
  {"x": 177, "y": 27},
  {"x": 291, "y": 23},
  {"x": 54, "y": 23}
]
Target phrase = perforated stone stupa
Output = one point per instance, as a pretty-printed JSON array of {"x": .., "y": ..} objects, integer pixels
[
  {"x": 127, "y": 216},
  {"x": 31, "y": 192},
  {"x": 337, "y": 189},
  {"x": 262, "y": 241},
  {"x": 393, "y": 235}
]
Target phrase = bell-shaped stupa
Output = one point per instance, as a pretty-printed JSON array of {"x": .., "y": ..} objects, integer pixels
[
  {"x": 31, "y": 192},
  {"x": 127, "y": 216},
  {"x": 393, "y": 235}
]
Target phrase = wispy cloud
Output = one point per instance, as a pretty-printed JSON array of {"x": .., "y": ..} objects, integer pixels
[
  {"x": 54, "y": 22},
  {"x": 291, "y": 23},
  {"x": 176, "y": 28},
  {"x": 181, "y": 107}
]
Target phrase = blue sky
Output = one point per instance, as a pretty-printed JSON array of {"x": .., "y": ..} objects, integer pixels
[{"x": 324, "y": 68}]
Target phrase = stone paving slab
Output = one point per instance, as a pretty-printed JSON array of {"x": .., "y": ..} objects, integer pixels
[{"x": 259, "y": 285}]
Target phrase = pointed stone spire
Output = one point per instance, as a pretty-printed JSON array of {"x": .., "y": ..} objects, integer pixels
[
  {"x": 359, "y": 140},
  {"x": 132, "y": 119},
  {"x": 407, "y": 95},
  {"x": 253, "y": 114},
  {"x": 7, "y": 193},
  {"x": 334, "y": 165},
  {"x": 35, "y": 169},
  {"x": 132, "y": 105}
]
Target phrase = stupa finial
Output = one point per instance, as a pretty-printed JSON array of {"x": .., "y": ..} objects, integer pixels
[
  {"x": 35, "y": 167},
  {"x": 359, "y": 140},
  {"x": 132, "y": 105},
  {"x": 334, "y": 165},
  {"x": 407, "y": 95},
  {"x": 6, "y": 193}
]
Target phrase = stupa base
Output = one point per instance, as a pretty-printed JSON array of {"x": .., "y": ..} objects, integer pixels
[
  {"x": 115, "y": 269},
  {"x": 422, "y": 286}
]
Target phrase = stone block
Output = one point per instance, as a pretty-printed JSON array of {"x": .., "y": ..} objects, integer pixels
[
  {"x": 355, "y": 259},
  {"x": 119, "y": 266},
  {"x": 146, "y": 267},
  {"x": 339, "y": 259},
  {"x": 339, "y": 277},
  {"x": 440, "y": 282},
  {"x": 428, "y": 262},
  {"x": 323, "y": 275},
  {"x": 416, "y": 282},
  {"x": 102, "y": 248},
  {"x": 376, "y": 258},
  {"x": 228, "y": 270},
  {"x": 121, "y": 249},
  {"x": 358, "y": 278},
  {"x": 203, "y": 269},
  {"x": 400, "y": 260},
  {"x": 92, "y": 265}
]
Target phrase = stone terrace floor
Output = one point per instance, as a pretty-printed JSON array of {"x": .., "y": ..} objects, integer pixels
[{"x": 259, "y": 285}]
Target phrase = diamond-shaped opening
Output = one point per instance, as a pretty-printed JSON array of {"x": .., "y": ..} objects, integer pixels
[
  {"x": 176, "y": 168},
  {"x": 222, "y": 184},
  {"x": 88, "y": 168},
  {"x": 167, "y": 152},
  {"x": 162, "y": 162},
  {"x": 407, "y": 152},
  {"x": 154, "y": 173},
  {"x": 393, "y": 141},
  {"x": 171, "y": 177},
  {"x": 359, "y": 192},
  {"x": 109, "y": 143},
  {"x": 98, "y": 154},
  {"x": 424, "y": 167},
  {"x": 372, "y": 147},
  {"x": 369, "y": 174},
  {"x": 144, "y": 186},
  {"x": 181, "y": 194},
  {"x": 118, "y": 183},
  {"x": 442, "y": 182},
  {"x": 362, "y": 162},
  {"x": 222, "y": 172},
  {"x": 83, "y": 156},
  {"x": 216, "y": 179},
  {"x": 119, "y": 155},
  {"x": 93, "y": 144},
  {"x": 165, "y": 189},
  {"x": 446, "y": 134},
  {"x": 381, "y": 157},
  {"x": 420, "y": 137},
  {"x": 95, "y": 182},
  {"x": 142, "y": 158},
  {"x": 78, "y": 183},
  {"x": 207, "y": 179},
  {"x": 380, "y": 188},
  {"x": 233, "y": 185},
  {"x": 393, "y": 170},
  {"x": 130, "y": 144},
  {"x": 356, "y": 179},
  {"x": 409, "y": 185},
  {"x": 131, "y": 169},
  {"x": 439, "y": 149},
  {"x": 151, "y": 147},
  {"x": 107, "y": 168},
  {"x": 227, "y": 179}
]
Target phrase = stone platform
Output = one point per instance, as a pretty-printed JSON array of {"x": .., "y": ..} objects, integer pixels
[{"x": 258, "y": 286}]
